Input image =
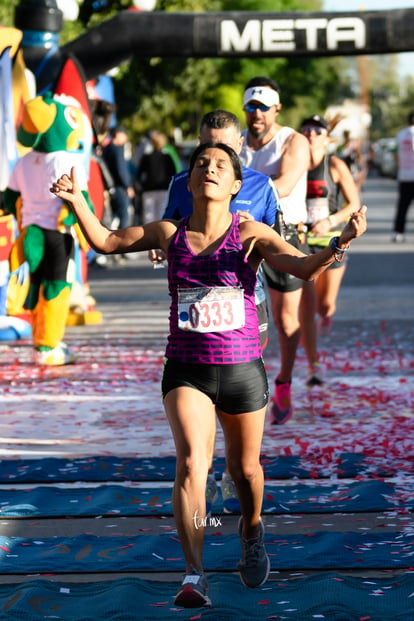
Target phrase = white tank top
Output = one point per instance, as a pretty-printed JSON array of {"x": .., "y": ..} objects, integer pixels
[
  {"x": 267, "y": 160},
  {"x": 405, "y": 140},
  {"x": 32, "y": 177}
]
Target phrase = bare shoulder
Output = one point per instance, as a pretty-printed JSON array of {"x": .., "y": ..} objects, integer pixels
[
  {"x": 159, "y": 232},
  {"x": 339, "y": 168},
  {"x": 297, "y": 138},
  {"x": 258, "y": 230},
  {"x": 297, "y": 143},
  {"x": 336, "y": 162},
  {"x": 169, "y": 225},
  {"x": 262, "y": 241}
]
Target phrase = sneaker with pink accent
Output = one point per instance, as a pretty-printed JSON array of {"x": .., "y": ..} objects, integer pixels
[{"x": 281, "y": 410}]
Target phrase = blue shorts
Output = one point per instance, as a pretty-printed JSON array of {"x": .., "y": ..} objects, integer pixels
[{"x": 233, "y": 388}]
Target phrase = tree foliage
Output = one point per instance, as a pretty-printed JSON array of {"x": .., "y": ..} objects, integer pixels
[{"x": 7, "y": 13}]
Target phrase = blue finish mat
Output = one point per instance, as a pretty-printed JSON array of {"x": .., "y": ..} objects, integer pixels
[
  {"x": 318, "y": 497},
  {"x": 161, "y": 553},
  {"x": 326, "y": 597},
  {"x": 99, "y": 468}
]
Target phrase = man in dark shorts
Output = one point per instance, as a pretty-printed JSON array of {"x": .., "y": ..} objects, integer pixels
[{"x": 283, "y": 154}]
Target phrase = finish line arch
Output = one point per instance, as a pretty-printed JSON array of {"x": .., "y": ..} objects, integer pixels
[
  {"x": 132, "y": 33},
  {"x": 241, "y": 34}
]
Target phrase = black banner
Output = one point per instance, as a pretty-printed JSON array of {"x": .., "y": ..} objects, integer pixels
[{"x": 241, "y": 34}]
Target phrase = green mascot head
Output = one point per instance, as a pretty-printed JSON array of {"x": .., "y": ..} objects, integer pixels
[{"x": 53, "y": 123}]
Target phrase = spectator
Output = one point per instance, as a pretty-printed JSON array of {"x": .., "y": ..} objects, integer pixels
[
  {"x": 122, "y": 191},
  {"x": 350, "y": 152},
  {"x": 405, "y": 176},
  {"x": 154, "y": 175}
]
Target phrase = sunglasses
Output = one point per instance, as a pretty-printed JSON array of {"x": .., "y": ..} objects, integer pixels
[
  {"x": 308, "y": 129},
  {"x": 252, "y": 107}
]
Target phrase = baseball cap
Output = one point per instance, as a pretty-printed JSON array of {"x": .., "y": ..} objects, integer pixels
[
  {"x": 316, "y": 119},
  {"x": 263, "y": 94}
]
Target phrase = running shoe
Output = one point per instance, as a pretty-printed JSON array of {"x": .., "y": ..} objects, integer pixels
[
  {"x": 211, "y": 492},
  {"x": 193, "y": 590},
  {"x": 231, "y": 502},
  {"x": 254, "y": 565},
  {"x": 315, "y": 376},
  {"x": 398, "y": 238},
  {"x": 58, "y": 356},
  {"x": 281, "y": 410}
]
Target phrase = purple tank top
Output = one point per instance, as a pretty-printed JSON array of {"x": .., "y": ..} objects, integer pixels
[{"x": 209, "y": 294}]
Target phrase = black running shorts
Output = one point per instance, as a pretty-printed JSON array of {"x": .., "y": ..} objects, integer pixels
[
  {"x": 282, "y": 281},
  {"x": 233, "y": 388}
]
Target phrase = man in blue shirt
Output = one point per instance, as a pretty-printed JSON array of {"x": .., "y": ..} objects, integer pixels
[
  {"x": 257, "y": 200},
  {"x": 258, "y": 195}
]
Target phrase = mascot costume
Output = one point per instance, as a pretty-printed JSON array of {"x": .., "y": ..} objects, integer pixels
[{"x": 56, "y": 129}]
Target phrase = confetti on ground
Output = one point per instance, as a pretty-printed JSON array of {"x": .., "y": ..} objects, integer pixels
[
  {"x": 348, "y": 448},
  {"x": 110, "y": 404},
  {"x": 317, "y": 597}
]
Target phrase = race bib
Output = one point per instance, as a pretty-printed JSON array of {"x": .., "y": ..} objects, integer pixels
[
  {"x": 318, "y": 209},
  {"x": 210, "y": 309}
]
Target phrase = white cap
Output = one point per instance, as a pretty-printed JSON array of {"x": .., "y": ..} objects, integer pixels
[{"x": 263, "y": 94}]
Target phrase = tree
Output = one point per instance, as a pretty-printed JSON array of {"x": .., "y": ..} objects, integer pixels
[
  {"x": 7, "y": 13},
  {"x": 385, "y": 96}
]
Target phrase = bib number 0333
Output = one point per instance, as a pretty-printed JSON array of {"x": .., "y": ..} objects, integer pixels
[{"x": 214, "y": 309}]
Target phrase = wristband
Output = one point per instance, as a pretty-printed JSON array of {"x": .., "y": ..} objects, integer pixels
[{"x": 339, "y": 253}]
